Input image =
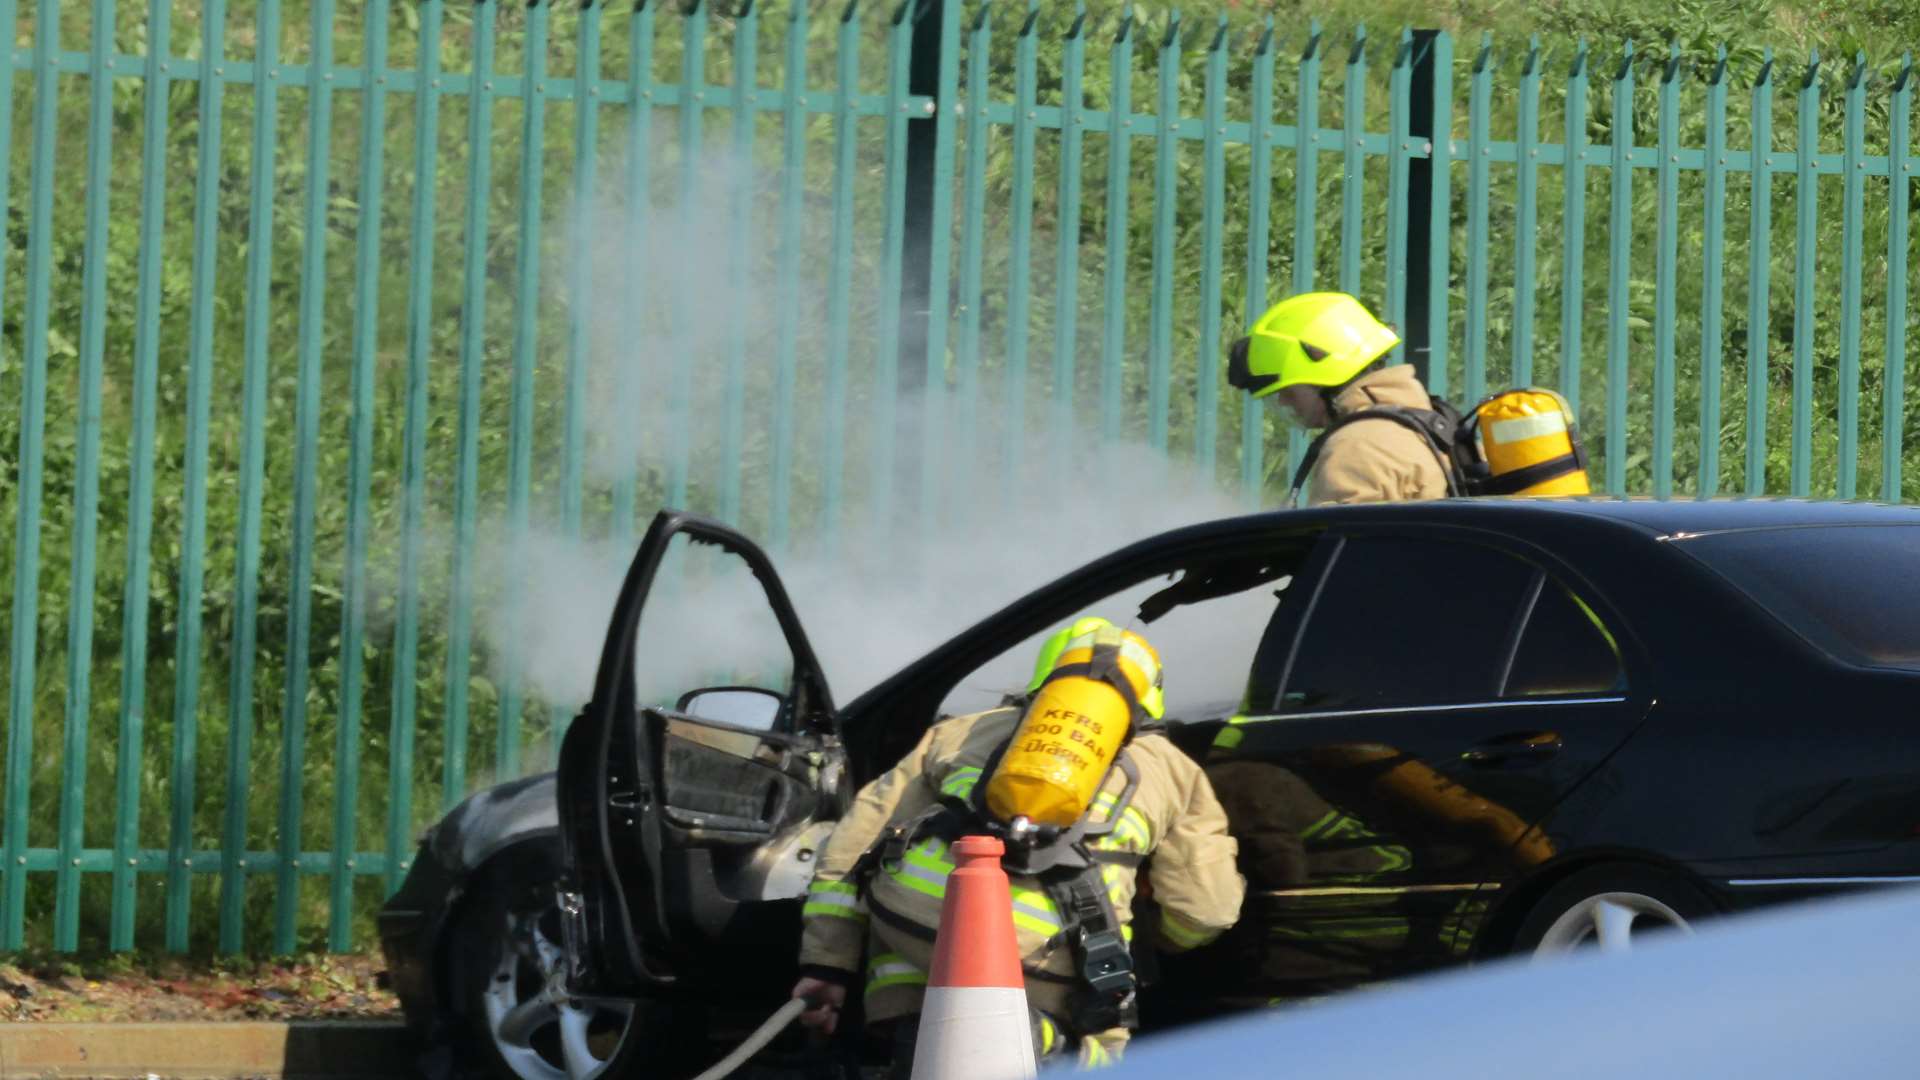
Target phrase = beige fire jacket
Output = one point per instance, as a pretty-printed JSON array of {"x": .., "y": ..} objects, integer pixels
[
  {"x": 1377, "y": 460},
  {"x": 1173, "y": 816}
]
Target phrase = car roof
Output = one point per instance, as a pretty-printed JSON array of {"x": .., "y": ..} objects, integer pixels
[
  {"x": 1626, "y": 517},
  {"x": 1655, "y": 516}
]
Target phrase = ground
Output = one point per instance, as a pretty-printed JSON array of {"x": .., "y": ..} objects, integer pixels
[{"x": 128, "y": 988}]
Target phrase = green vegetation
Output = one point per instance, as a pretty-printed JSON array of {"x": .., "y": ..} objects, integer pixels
[{"x": 1793, "y": 28}]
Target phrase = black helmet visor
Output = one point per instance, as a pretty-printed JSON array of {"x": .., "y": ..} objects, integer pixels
[{"x": 1238, "y": 376}]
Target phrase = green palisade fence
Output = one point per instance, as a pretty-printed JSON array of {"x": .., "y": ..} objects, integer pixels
[{"x": 302, "y": 297}]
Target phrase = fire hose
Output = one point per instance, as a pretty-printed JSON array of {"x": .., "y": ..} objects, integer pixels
[{"x": 757, "y": 1041}]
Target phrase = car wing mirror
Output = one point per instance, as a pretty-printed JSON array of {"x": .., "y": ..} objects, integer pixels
[{"x": 747, "y": 707}]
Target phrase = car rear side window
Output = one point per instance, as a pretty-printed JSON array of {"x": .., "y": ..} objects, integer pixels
[
  {"x": 1564, "y": 650},
  {"x": 1407, "y": 621},
  {"x": 1853, "y": 590}
]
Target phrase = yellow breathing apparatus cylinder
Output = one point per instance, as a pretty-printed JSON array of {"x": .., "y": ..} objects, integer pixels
[
  {"x": 1530, "y": 444},
  {"x": 1075, "y": 724}
]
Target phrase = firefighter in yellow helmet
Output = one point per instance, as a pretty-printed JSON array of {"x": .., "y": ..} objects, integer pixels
[
  {"x": 873, "y": 907},
  {"x": 1321, "y": 357}
]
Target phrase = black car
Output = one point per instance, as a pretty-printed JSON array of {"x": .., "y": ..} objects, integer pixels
[{"x": 1450, "y": 731}]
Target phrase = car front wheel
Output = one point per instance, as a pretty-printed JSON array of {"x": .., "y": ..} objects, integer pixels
[
  {"x": 505, "y": 964},
  {"x": 1612, "y": 909}
]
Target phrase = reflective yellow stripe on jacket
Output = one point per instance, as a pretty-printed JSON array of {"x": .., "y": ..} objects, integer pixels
[
  {"x": 1132, "y": 832},
  {"x": 891, "y": 969},
  {"x": 1094, "y": 1055},
  {"x": 1229, "y": 736},
  {"x": 925, "y": 866},
  {"x": 1181, "y": 934},
  {"x": 959, "y": 783},
  {"x": 835, "y": 900}
]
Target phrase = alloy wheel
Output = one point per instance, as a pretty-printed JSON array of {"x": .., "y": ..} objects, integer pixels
[
  {"x": 540, "y": 1031},
  {"x": 1611, "y": 922}
]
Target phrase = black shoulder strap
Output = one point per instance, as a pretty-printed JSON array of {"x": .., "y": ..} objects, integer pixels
[
  {"x": 1108, "y": 991},
  {"x": 1435, "y": 426},
  {"x": 947, "y": 819}
]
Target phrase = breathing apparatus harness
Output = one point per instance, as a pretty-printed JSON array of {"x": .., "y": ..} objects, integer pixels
[{"x": 1062, "y": 860}]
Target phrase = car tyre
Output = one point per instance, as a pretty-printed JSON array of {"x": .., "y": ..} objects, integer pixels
[
  {"x": 503, "y": 955},
  {"x": 1611, "y": 908}
]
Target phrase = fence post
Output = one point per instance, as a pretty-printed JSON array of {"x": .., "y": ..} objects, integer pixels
[
  {"x": 933, "y": 73},
  {"x": 1416, "y": 330}
]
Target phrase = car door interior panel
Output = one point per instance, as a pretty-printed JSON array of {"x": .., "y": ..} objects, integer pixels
[{"x": 677, "y": 825}]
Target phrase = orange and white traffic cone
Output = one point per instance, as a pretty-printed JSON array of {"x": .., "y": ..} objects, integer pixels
[{"x": 974, "y": 1024}]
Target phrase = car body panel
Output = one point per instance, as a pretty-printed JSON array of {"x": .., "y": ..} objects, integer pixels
[
  {"x": 492, "y": 818},
  {"x": 1366, "y": 839},
  {"x": 1372, "y": 836},
  {"x": 411, "y": 922}
]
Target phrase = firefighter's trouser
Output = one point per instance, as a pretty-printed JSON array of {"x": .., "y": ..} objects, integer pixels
[{"x": 1053, "y": 1046}]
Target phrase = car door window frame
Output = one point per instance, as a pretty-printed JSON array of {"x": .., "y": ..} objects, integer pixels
[
  {"x": 1316, "y": 570},
  {"x": 1522, "y": 618},
  {"x": 917, "y": 690},
  {"x": 808, "y": 711},
  {"x": 1313, "y": 575},
  {"x": 1543, "y": 578}
]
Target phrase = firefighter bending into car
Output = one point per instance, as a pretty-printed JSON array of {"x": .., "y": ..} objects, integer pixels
[
  {"x": 1321, "y": 358},
  {"x": 1079, "y": 818}
]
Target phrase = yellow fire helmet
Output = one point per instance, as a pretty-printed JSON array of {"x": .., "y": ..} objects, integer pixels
[
  {"x": 1313, "y": 339},
  {"x": 1080, "y": 634}
]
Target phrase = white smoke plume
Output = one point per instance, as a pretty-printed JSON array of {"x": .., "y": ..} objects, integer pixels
[{"x": 876, "y": 599}]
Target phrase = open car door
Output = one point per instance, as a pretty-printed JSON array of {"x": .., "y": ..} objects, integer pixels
[{"x": 698, "y": 781}]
